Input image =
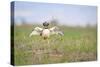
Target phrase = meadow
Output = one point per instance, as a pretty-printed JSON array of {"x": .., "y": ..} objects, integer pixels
[{"x": 77, "y": 45}]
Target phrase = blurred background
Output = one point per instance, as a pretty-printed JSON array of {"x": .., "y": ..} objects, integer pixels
[{"x": 62, "y": 14}]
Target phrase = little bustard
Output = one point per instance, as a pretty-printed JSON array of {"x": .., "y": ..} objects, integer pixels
[{"x": 46, "y": 32}]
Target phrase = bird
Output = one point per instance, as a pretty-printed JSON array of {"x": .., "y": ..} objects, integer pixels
[{"x": 45, "y": 32}]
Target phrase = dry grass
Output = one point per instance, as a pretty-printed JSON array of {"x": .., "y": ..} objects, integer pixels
[{"x": 77, "y": 44}]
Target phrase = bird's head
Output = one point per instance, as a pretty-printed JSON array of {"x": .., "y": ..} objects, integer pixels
[{"x": 45, "y": 24}]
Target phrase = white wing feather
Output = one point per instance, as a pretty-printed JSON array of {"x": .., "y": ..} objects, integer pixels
[
  {"x": 36, "y": 31},
  {"x": 55, "y": 30}
]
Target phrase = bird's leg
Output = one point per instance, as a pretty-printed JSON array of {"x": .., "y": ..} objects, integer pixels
[{"x": 46, "y": 40}]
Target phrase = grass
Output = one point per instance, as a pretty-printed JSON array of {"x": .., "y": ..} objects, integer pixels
[{"x": 77, "y": 44}]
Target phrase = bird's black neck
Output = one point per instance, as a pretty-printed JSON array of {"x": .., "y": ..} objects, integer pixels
[{"x": 45, "y": 27}]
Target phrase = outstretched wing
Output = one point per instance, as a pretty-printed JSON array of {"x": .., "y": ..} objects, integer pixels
[
  {"x": 36, "y": 31},
  {"x": 55, "y": 30}
]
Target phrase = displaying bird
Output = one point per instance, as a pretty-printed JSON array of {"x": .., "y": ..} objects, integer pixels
[{"x": 46, "y": 32}]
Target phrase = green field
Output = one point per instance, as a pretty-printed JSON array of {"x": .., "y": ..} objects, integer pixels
[{"x": 77, "y": 44}]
